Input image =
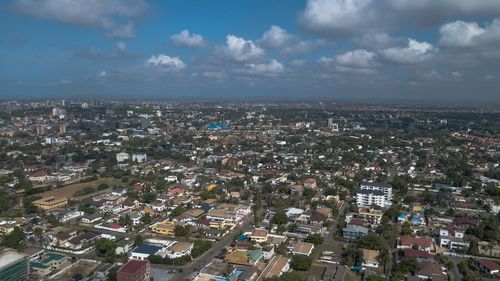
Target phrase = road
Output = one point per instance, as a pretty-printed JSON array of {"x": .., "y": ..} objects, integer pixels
[{"x": 186, "y": 272}]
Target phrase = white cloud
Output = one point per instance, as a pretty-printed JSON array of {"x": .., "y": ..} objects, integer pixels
[
  {"x": 338, "y": 17},
  {"x": 116, "y": 16},
  {"x": 240, "y": 50},
  {"x": 121, "y": 46},
  {"x": 276, "y": 37},
  {"x": 103, "y": 74},
  {"x": 376, "y": 40},
  {"x": 469, "y": 34},
  {"x": 324, "y": 61},
  {"x": 165, "y": 63},
  {"x": 272, "y": 68},
  {"x": 184, "y": 38},
  {"x": 415, "y": 52},
  {"x": 358, "y": 58},
  {"x": 460, "y": 34}
]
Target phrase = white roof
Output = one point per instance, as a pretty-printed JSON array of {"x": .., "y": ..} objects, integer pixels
[{"x": 9, "y": 257}]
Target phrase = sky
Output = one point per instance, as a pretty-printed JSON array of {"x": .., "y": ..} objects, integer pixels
[{"x": 425, "y": 50}]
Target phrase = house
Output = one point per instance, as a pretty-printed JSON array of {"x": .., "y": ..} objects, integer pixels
[
  {"x": 38, "y": 177},
  {"x": 119, "y": 192},
  {"x": 259, "y": 235},
  {"x": 7, "y": 227},
  {"x": 409, "y": 242},
  {"x": 92, "y": 218},
  {"x": 431, "y": 271},
  {"x": 102, "y": 272},
  {"x": 310, "y": 183},
  {"x": 143, "y": 252},
  {"x": 452, "y": 239},
  {"x": 318, "y": 218},
  {"x": 420, "y": 256},
  {"x": 370, "y": 258},
  {"x": 268, "y": 252},
  {"x": 123, "y": 246},
  {"x": 276, "y": 267},
  {"x": 51, "y": 202},
  {"x": 71, "y": 215},
  {"x": 134, "y": 270},
  {"x": 122, "y": 157},
  {"x": 165, "y": 228},
  {"x": 487, "y": 266},
  {"x": 353, "y": 232},
  {"x": 302, "y": 248},
  {"x": 179, "y": 249}
]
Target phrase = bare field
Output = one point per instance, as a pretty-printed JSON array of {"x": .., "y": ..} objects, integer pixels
[
  {"x": 68, "y": 190},
  {"x": 83, "y": 267}
]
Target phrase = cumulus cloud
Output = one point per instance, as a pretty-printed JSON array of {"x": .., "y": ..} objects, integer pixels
[
  {"x": 187, "y": 39},
  {"x": 415, "y": 52},
  {"x": 272, "y": 68},
  {"x": 356, "y": 17},
  {"x": 338, "y": 17},
  {"x": 358, "y": 58},
  {"x": 165, "y": 63},
  {"x": 115, "y": 16},
  {"x": 240, "y": 50},
  {"x": 278, "y": 38},
  {"x": 469, "y": 34}
]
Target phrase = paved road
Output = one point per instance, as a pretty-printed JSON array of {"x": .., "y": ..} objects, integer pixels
[
  {"x": 201, "y": 261},
  {"x": 330, "y": 237}
]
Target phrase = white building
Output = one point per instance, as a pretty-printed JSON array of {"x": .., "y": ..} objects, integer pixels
[
  {"x": 179, "y": 249},
  {"x": 372, "y": 193},
  {"x": 452, "y": 240},
  {"x": 139, "y": 158},
  {"x": 122, "y": 157},
  {"x": 71, "y": 215}
]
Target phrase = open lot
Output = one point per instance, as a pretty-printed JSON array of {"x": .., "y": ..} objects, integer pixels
[
  {"x": 69, "y": 190},
  {"x": 83, "y": 267}
]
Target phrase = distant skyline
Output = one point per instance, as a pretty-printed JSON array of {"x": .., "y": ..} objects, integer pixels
[{"x": 446, "y": 50}]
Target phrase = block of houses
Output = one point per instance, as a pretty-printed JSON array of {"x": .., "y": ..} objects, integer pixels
[{"x": 353, "y": 232}]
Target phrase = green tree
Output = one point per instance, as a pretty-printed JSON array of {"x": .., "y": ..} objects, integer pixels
[
  {"x": 300, "y": 263},
  {"x": 316, "y": 239},
  {"x": 279, "y": 217},
  {"x": 181, "y": 231},
  {"x": 105, "y": 248},
  {"x": 15, "y": 239},
  {"x": 138, "y": 240},
  {"x": 146, "y": 219}
]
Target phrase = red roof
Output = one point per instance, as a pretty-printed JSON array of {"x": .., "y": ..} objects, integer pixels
[
  {"x": 357, "y": 221},
  {"x": 410, "y": 240},
  {"x": 133, "y": 266},
  {"x": 310, "y": 180},
  {"x": 491, "y": 265},
  {"x": 39, "y": 174},
  {"x": 411, "y": 253}
]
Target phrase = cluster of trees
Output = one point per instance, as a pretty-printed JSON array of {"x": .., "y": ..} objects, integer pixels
[
  {"x": 15, "y": 239},
  {"x": 301, "y": 263}
]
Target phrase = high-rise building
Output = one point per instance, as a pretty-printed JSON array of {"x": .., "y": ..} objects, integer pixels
[
  {"x": 145, "y": 123},
  {"x": 13, "y": 266},
  {"x": 62, "y": 128},
  {"x": 41, "y": 129},
  {"x": 332, "y": 126},
  {"x": 374, "y": 193}
]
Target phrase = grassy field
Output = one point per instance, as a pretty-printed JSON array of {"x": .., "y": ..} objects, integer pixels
[{"x": 69, "y": 190}]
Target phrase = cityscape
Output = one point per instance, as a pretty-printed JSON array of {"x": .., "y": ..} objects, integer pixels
[{"x": 311, "y": 140}]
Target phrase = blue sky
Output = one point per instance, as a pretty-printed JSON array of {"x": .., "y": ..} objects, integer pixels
[{"x": 375, "y": 49}]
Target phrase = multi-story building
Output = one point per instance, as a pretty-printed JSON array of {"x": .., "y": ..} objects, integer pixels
[
  {"x": 50, "y": 203},
  {"x": 372, "y": 193},
  {"x": 13, "y": 266}
]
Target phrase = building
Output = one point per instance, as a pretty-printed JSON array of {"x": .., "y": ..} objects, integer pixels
[
  {"x": 50, "y": 203},
  {"x": 139, "y": 158},
  {"x": 259, "y": 235},
  {"x": 39, "y": 177},
  {"x": 179, "y": 249},
  {"x": 165, "y": 228},
  {"x": 303, "y": 248},
  {"x": 276, "y": 267},
  {"x": 13, "y": 266},
  {"x": 372, "y": 193},
  {"x": 452, "y": 239},
  {"x": 134, "y": 270},
  {"x": 410, "y": 242},
  {"x": 353, "y": 231},
  {"x": 487, "y": 266},
  {"x": 370, "y": 258},
  {"x": 310, "y": 183},
  {"x": 143, "y": 252},
  {"x": 122, "y": 157}
]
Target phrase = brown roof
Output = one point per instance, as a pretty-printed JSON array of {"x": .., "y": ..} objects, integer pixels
[
  {"x": 412, "y": 253},
  {"x": 303, "y": 247},
  {"x": 410, "y": 240},
  {"x": 180, "y": 246},
  {"x": 133, "y": 266},
  {"x": 491, "y": 265},
  {"x": 259, "y": 232}
]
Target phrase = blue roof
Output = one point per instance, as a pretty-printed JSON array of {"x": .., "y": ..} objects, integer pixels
[
  {"x": 217, "y": 126},
  {"x": 147, "y": 249}
]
